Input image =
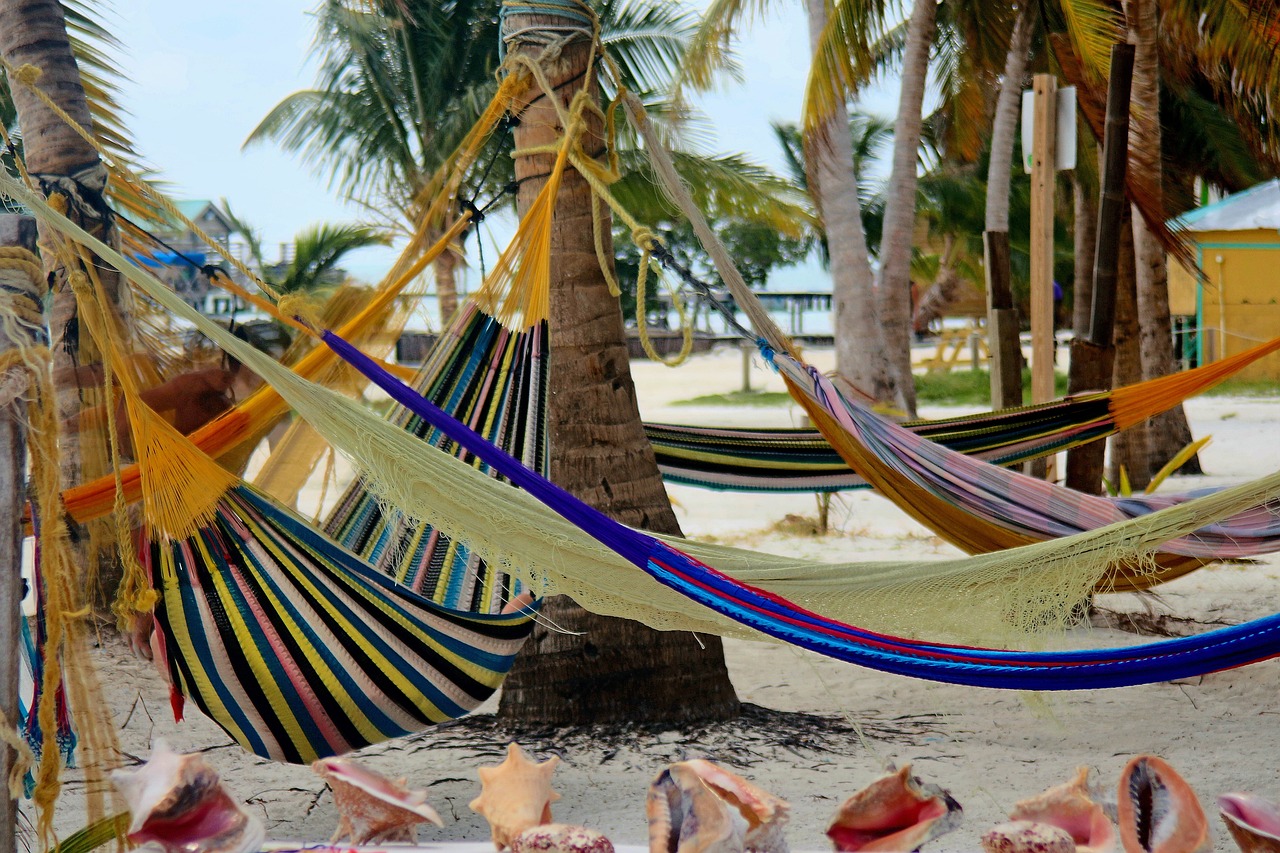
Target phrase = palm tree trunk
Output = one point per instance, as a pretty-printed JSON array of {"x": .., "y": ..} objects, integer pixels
[
  {"x": 860, "y": 351},
  {"x": 899, "y": 217},
  {"x": 1129, "y": 449},
  {"x": 445, "y": 269},
  {"x": 1004, "y": 126},
  {"x": 1170, "y": 431},
  {"x": 596, "y": 669},
  {"x": 34, "y": 32},
  {"x": 1085, "y": 238}
]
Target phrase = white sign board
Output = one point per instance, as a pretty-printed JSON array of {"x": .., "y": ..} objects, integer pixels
[{"x": 1065, "y": 149}]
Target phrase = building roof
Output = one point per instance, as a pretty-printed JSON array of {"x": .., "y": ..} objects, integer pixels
[{"x": 1255, "y": 208}]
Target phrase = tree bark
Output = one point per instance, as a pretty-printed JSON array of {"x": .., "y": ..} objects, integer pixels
[
  {"x": 17, "y": 232},
  {"x": 1129, "y": 449},
  {"x": 1170, "y": 431},
  {"x": 445, "y": 269},
  {"x": 899, "y": 218},
  {"x": 1004, "y": 126},
  {"x": 859, "y": 344},
  {"x": 614, "y": 670},
  {"x": 1086, "y": 240},
  {"x": 34, "y": 32}
]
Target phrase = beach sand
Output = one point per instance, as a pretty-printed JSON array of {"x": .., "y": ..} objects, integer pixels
[{"x": 988, "y": 748}]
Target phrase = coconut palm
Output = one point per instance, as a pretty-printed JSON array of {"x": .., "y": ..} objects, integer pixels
[
  {"x": 402, "y": 80},
  {"x": 317, "y": 251}
]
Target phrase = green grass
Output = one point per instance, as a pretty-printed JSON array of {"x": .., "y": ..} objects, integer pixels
[
  {"x": 739, "y": 398},
  {"x": 966, "y": 387},
  {"x": 1246, "y": 388},
  {"x": 963, "y": 387}
]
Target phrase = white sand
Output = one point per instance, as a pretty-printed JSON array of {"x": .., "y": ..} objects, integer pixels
[{"x": 988, "y": 748}]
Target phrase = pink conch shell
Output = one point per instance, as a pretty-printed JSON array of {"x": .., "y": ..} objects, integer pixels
[
  {"x": 698, "y": 807},
  {"x": 515, "y": 795},
  {"x": 895, "y": 812},
  {"x": 1157, "y": 811},
  {"x": 179, "y": 803},
  {"x": 1027, "y": 836},
  {"x": 560, "y": 838},
  {"x": 373, "y": 809},
  {"x": 1253, "y": 822},
  {"x": 1070, "y": 807}
]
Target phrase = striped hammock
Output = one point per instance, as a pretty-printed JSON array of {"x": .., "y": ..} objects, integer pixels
[
  {"x": 981, "y": 507},
  {"x": 802, "y": 460},
  {"x": 494, "y": 379},
  {"x": 777, "y": 617},
  {"x": 298, "y": 649}
]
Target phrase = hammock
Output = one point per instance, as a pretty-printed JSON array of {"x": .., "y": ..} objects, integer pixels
[
  {"x": 298, "y": 649},
  {"x": 777, "y": 617},
  {"x": 979, "y": 507},
  {"x": 802, "y": 460},
  {"x": 493, "y": 378}
]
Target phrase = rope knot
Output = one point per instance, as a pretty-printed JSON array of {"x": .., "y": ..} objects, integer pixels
[
  {"x": 27, "y": 74},
  {"x": 79, "y": 281},
  {"x": 645, "y": 239}
]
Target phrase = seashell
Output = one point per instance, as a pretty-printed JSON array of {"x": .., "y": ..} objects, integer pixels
[
  {"x": 179, "y": 803},
  {"x": 373, "y": 809},
  {"x": 698, "y": 807},
  {"x": 1254, "y": 823},
  {"x": 895, "y": 812},
  {"x": 1157, "y": 810},
  {"x": 515, "y": 795},
  {"x": 560, "y": 838},
  {"x": 1069, "y": 806},
  {"x": 1027, "y": 836}
]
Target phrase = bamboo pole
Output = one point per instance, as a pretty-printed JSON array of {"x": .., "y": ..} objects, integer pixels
[{"x": 16, "y": 232}]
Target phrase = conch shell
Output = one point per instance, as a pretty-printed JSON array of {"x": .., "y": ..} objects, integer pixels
[
  {"x": 560, "y": 838},
  {"x": 698, "y": 807},
  {"x": 895, "y": 812},
  {"x": 1027, "y": 836},
  {"x": 179, "y": 803},
  {"x": 1254, "y": 823},
  {"x": 373, "y": 809},
  {"x": 1070, "y": 807},
  {"x": 1157, "y": 811},
  {"x": 515, "y": 795}
]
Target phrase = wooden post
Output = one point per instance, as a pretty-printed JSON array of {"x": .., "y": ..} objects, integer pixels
[
  {"x": 1092, "y": 358},
  {"x": 16, "y": 232},
  {"x": 1002, "y": 323},
  {"x": 1043, "y": 172}
]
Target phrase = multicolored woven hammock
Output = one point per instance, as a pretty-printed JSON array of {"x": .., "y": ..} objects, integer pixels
[
  {"x": 494, "y": 379},
  {"x": 983, "y": 507},
  {"x": 299, "y": 649},
  {"x": 803, "y": 460},
  {"x": 777, "y": 617}
]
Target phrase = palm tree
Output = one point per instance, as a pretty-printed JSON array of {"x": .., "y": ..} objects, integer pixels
[
  {"x": 317, "y": 251},
  {"x": 599, "y": 669},
  {"x": 833, "y": 184}
]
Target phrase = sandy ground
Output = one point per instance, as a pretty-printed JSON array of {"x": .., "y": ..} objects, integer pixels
[{"x": 988, "y": 748}]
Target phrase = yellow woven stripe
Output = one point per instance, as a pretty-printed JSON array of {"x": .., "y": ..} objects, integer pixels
[
  {"x": 318, "y": 597},
  {"x": 203, "y": 686}
]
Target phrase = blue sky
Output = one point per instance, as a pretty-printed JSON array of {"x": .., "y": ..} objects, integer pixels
[{"x": 203, "y": 74}]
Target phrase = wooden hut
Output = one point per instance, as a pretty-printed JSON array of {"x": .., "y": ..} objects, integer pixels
[{"x": 1235, "y": 303}]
